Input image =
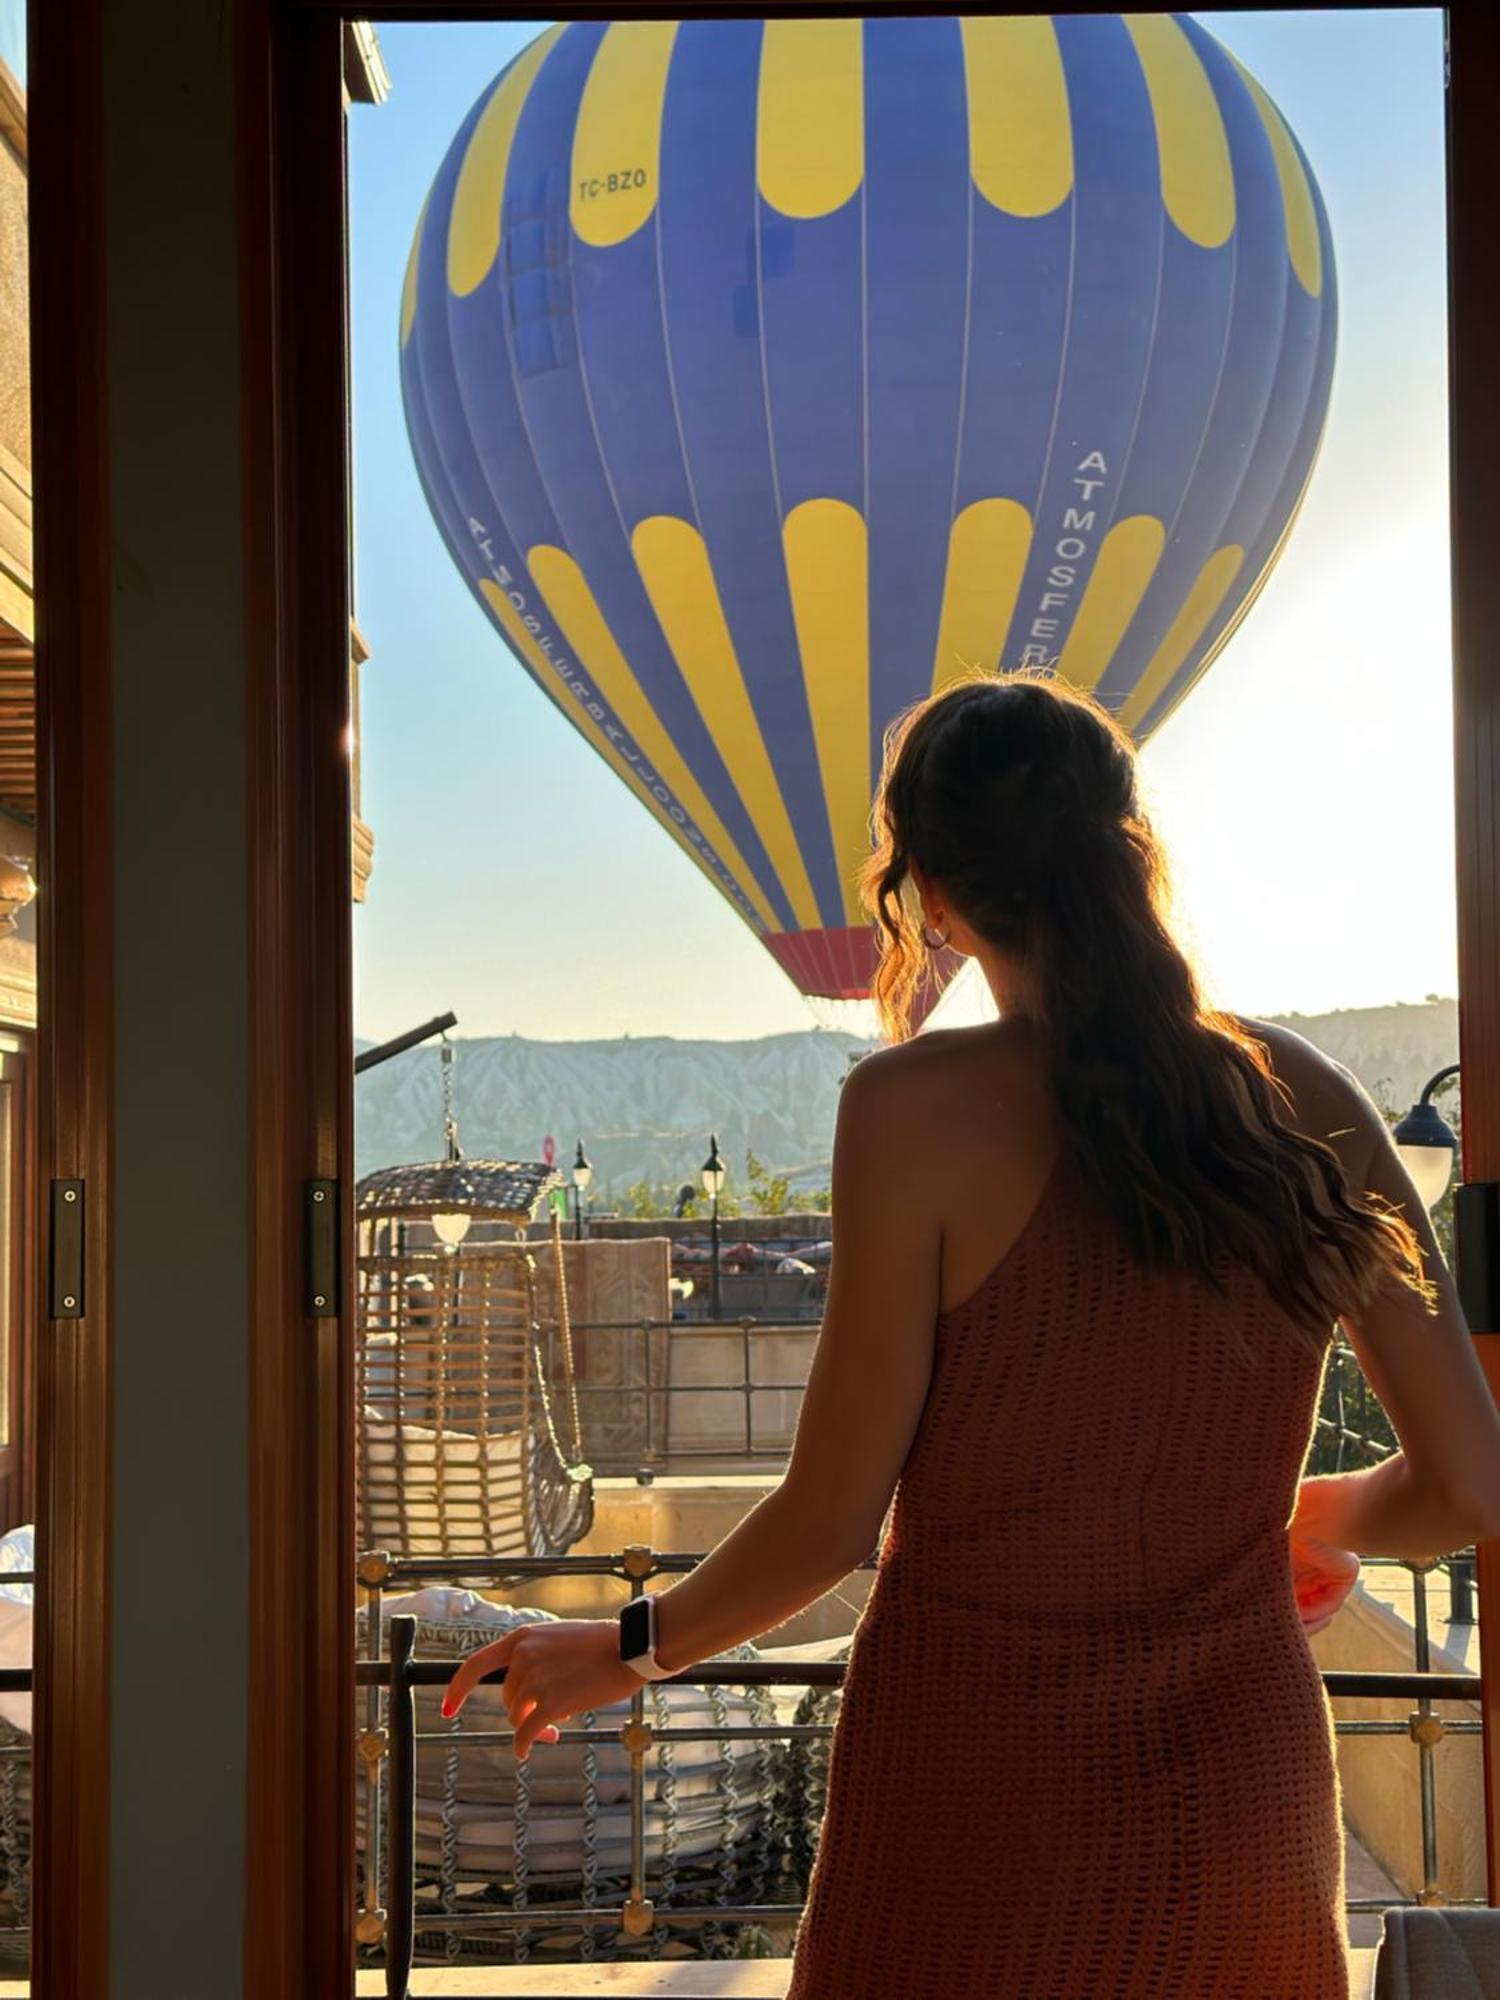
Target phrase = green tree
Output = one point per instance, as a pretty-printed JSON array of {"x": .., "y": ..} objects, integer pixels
[
  {"x": 769, "y": 1194},
  {"x": 643, "y": 1201}
]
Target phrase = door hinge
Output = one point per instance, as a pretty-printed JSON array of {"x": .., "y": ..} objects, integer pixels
[
  {"x": 321, "y": 1232},
  {"x": 65, "y": 1252},
  {"x": 1476, "y": 1253}
]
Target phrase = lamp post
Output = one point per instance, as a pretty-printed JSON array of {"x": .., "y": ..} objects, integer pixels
[
  {"x": 1427, "y": 1142},
  {"x": 1428, "y": 1146},
  {"x": 714, "y": 1175},
  {"x": 583, "y": 1173}
]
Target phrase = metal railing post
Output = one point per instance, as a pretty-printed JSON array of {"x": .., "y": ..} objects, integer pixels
[
  {"x": 369, "y": 1928},
  {"x": 1461, "y": 1589},
  {"x": 402, "y": 1830},
  {"x": 1427, "y": 1731},
  {"x": 637, "y": 1736}
]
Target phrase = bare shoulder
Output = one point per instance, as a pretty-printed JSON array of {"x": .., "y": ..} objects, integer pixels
[
  {"x": 1329, "y": 1100},
  {"x": 942, "y": 1052},
  {"x": 920, "y": 1083}
]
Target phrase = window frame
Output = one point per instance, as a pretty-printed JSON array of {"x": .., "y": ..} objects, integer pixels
[{"x": 293, "y": 256}]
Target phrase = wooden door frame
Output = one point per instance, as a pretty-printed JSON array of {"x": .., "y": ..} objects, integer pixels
[
  {"x": 1474, "y": 434},
  {"x": 300, "y": 1890},
  {"x": 17, "y": 1276},
  {"x": 75, "y": 915},
  {"x": 300, "y": 1846}
]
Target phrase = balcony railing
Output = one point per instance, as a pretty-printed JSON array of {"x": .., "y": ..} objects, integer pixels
[
  {"x": 647, "y": 1390},
  {"x": 639, "y": 1407},
  {"x": 638, "y": 1915}
]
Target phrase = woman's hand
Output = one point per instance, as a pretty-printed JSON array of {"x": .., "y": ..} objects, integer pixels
[
  {"x": 1323, "y": 1577},
  {"x": 1323, "y": 1574},
  {"x": 553, "y": 1668}
]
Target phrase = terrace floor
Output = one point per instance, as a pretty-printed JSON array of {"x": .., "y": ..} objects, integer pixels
[{"x": 765, "y": 1980}]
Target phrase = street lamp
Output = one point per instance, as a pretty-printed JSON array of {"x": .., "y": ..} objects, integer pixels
[
  {"x": 714, "y": 1175},
  {"x": 583, "y": 1173},
  {"x": 1427, "y": 1142}
]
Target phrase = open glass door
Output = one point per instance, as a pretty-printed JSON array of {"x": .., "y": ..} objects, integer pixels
[{"x": 609, "y": 315}]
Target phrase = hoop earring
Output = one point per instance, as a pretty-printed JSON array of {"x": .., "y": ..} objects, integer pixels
[{"x": 940, "y": 943}]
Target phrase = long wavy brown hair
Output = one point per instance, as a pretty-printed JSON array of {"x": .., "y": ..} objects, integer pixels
[{"x": 1016, "y": 793}]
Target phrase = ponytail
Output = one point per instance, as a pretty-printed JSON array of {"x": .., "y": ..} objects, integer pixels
[{"x": 1017, "y": 793}]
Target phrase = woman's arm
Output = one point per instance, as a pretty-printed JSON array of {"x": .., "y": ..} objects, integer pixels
[
  {"x": 864, "y": 1395},
  {"x": 864, "y": 1398},
  {"x": 1441, "y": 1490}
]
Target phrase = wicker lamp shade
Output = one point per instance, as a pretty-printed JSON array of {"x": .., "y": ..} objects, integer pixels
[{"x": 502, "y": 1191}]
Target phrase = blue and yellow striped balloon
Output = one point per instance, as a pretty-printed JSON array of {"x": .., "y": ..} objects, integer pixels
[{"x": 762, "y": 376}]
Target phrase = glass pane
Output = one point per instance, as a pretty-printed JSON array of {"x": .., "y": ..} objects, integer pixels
[{"x": 704, "y": 420}]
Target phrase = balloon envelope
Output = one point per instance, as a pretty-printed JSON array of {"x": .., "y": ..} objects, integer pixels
[{"x": 762, "y": 377}]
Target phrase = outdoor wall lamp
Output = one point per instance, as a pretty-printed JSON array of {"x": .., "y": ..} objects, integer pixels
[
  {"x": 1427, "y": 1143},
  {"x": 1429, "y": 1147}
]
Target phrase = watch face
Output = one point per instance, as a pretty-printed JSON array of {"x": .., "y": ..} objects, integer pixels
[{"x": 635, "y": 1628}]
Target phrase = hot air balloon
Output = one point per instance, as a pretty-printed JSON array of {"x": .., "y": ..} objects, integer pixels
[{"x": 762, "y": 376}]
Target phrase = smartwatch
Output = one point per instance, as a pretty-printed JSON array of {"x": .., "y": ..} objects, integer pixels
[{"x": 638, "y": 1638}]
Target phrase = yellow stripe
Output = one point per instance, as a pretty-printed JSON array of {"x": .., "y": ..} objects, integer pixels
[
  {"x": 810, "y": 132},
  {"x": 1303, "y": 243},
  {"x": 1186, "y": 629},
  {"x": 1197, "y": 175},
  {"x": 617, "y": 140},
  {"x": 1020, "y": 127},
  {"x": 827, "y": 565},
  {"x": 1126, "y": 563},
  {"x": 987, "y": 549},
  {"x": 679, "y": 580},
  {"x": 545, "y": 674},
  {"x": 409, "y": 282},
  {"x": 474, "y": 221},
  {"x": 566, "y": 590}
]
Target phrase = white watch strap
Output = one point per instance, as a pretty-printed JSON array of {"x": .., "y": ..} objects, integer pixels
[{"x": 648, "y": 1667}]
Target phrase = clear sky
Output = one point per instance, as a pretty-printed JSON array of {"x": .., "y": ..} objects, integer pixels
[{"x": 1304, "y": 789}]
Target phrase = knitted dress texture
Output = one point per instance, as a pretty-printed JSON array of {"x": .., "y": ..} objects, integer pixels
[{"x": 1084, "y": 1751}]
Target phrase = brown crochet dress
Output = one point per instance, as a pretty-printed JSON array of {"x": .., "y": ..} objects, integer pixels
[{"x": 1084, "y": 1751}]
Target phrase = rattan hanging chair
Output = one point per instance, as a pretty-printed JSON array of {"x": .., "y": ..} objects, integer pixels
[{"x": 468, "y": 1441}]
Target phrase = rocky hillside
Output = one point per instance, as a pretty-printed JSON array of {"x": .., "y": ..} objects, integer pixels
[{"x": 644, "y": 1107}]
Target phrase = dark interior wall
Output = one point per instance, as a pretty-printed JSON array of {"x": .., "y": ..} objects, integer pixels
[{"x": 181, "y": 1055}]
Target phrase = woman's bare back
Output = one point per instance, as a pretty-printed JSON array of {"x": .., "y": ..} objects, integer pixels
[{"x": 977, "y": 1107}]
